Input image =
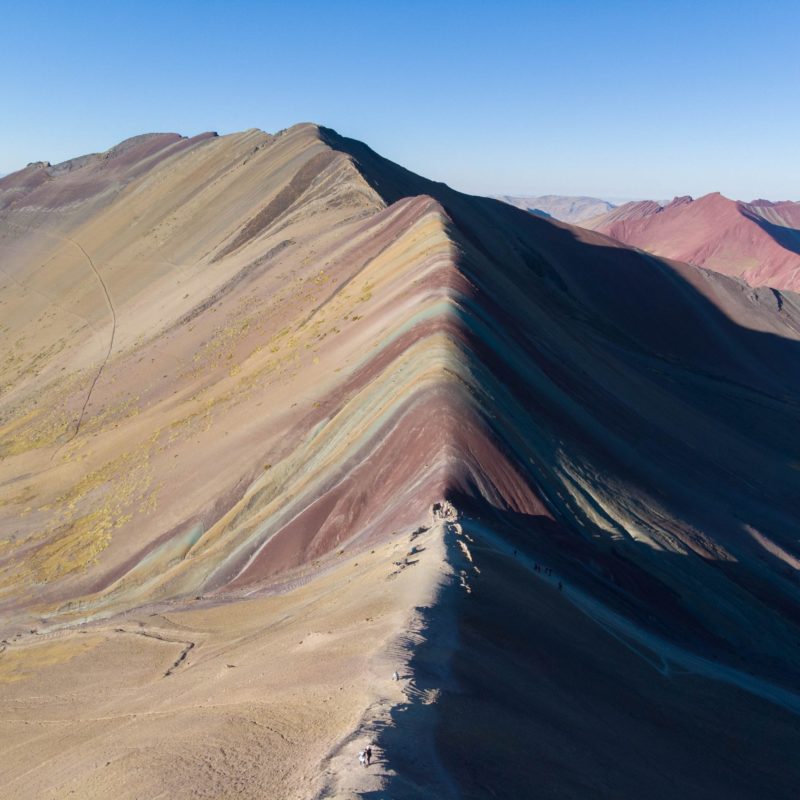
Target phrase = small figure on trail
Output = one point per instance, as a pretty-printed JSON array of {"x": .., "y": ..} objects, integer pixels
[
  {"x": 362, "y": 758},
  {"x": 560, "y": 586},
  {"x": 395, "y": 676},
  {"x": 515, "y": 553},
  {"x": 369, "y": 755}
]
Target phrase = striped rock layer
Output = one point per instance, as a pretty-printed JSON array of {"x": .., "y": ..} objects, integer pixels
[{"x": 226, "y": 360}]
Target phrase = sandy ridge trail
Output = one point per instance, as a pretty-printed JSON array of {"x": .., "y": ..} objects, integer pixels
[
  {"x": 286, "y": 687},
  {"x": 399, "y": 723}
]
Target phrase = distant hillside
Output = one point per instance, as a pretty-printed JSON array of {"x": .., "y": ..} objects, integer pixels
[
  {"x": 564, "y": 208},
  {"x": 757, "y": 241}
]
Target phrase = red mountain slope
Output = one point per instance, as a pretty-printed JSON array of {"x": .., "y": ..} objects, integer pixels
[{"x": 758, "y": 241}]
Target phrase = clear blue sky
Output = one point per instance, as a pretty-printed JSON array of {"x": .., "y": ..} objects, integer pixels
[{"x": 624, "y": 98}]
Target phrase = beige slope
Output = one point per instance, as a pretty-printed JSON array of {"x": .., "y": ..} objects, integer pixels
[
  {"x": 195, "y": 339},
  {"x": 266, "y": 691}
]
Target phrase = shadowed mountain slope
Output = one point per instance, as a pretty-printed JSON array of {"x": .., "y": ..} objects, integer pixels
[
  {"x": 649, "y": 405},
  {"x": 262, "y": 350},
  {"x": 758, "y": 242}
]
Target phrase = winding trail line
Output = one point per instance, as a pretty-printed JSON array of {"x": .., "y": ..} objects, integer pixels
[
  {"x": 161, "y": 638},
  {"x": 111, "y": 308},
  {"x": 110, "y": 341}
]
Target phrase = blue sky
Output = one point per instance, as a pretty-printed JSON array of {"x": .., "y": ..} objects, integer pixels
[{"x": 617, "y": 98}]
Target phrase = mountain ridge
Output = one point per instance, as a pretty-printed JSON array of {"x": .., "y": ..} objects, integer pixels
[
  {"x": 316, "y": 350},
  {"x": 461, "y": 214}
]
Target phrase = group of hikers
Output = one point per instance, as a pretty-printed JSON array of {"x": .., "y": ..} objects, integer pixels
[
  {"x": 365, "y": 757},
  {"x": 546, "y": 571}
]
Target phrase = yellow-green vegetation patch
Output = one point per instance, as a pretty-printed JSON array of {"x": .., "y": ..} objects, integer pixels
[
  {"x": 89, "y": 512},
  {"x": 22, "y": 498},
  {"x": 127, "y": 475},
  {"x": 124, "y": 408},
  {"x": 36, "y": 429},
  {"x": 85, "y": 538},
  {"x": 20, "y": 663},
  {"x": 366, "y": 292},
  {"x": 40, "y": 420}
]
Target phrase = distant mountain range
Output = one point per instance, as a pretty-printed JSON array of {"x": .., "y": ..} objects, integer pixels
[
  {"x": 561, "y": 207},
  {"x": 757, "y": 241}
]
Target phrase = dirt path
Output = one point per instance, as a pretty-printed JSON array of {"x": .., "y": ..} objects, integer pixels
[
  {"x": 188, "y": 646},
  {"x": 102, "y": 366},
  {"x": 399, "y": 724},
  {"x": 112, "y": 309}
]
